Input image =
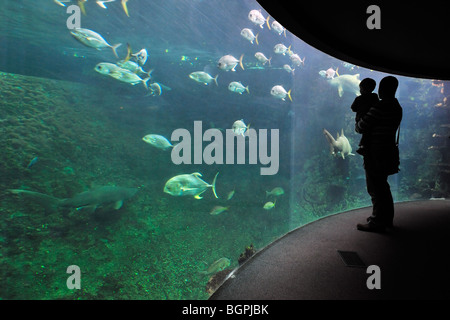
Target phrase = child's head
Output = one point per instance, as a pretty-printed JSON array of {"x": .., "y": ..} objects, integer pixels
[{"x": 367, "y": 85}]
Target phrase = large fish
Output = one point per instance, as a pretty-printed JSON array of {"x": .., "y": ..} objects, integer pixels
[
  {"x": 346, "y": 82},
  {"x": 103, "y": 197},
  {"x": 340, "y": 144},
  {"x": 189, "y": 185}
]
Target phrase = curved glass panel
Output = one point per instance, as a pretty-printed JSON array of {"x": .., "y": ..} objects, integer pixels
[{"x": 90, "y": 199}]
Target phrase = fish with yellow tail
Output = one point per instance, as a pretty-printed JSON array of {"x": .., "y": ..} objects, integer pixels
[
  {"x": 131, "y": 65},
  {"x": 247, "y": 34},
  {"x": 280, "y": 93},
  {"x": 81, "y": 6},
  {"x": 288, "y": 68},
  {"x": 281, "y": 49},
  {"x": 278, "y": 28},
  {"x": 330, "y": 73},
  {"x": 189, "y": 185},
  {"x": 228, "y": 62},
  {"x": 296, "y": 60},
  {"x": 239, "y": 127},
  {"x": 102, "y": 3},
  {"x": 238, "y": 87},
  {"x": 339, "y": 145},
  {"x": 124, "y": 6},
  {"x": 258, "y": 19},
  {"x": 269, "y": 205},
  {"x": 92, "y": 39},
  {"x": 262, "y": 58}
]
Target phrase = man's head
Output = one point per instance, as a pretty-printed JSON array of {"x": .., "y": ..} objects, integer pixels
[{"x": 388, "y": 87}]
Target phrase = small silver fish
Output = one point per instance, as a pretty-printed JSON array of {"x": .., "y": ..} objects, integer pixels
[
  {"x": 296, "y": 60},
  {"x": 107, "y": 68},
  {"x": 228, "y": 62},
  {"x": 218, "y": 210},
  {"x": 133, "y": 67},
  {"x": 156, "y": 89},
  {"x": 237, "y": 87},
  {"x": 158, "y": 141},
  {"x": 281, "y": 49},
  {"x": 257, "y": 18},
  {"x": 280, "y": 93},
  {"x": 262, "y": 58},
  {"x": 269, "y": 205},
  {"x": 120, "y": 74},
  {"x": 203, "y": 77},
  {"x": 93, "y": 39},
  {"x": 217, "y": 266},
  {"x": 330, "y": 73},
  {"x": 129, "y": 77},
  {"x": 248, "y": 34},
  {"x": 278, "y": 191},
  {"x": 288, "y": 68},
  {"x": 349, "y": 65},
  {"x": 239, "y": 127},
  {"x": 278, "y": 28},
  {"x": 141, "y": 56}
]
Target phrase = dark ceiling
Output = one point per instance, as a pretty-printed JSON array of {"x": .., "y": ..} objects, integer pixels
[{"x": 414, "y": 39}]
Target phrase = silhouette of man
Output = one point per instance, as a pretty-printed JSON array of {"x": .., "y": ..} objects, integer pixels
[{"x": 380, "y": 123}]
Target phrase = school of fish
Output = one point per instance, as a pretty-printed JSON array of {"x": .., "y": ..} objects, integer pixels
[{"x": 131, "y": 70}]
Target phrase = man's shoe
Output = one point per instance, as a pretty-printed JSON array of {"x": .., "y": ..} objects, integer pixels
[
  {"x": 370, "y": 227},
  {"x": 389, "y": 225}
]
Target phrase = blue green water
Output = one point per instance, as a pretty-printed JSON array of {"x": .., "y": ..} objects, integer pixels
[{"x": 86, "y": 131}]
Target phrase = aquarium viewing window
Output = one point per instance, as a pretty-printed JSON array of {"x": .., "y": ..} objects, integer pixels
[{"x": 151, "y": 147}]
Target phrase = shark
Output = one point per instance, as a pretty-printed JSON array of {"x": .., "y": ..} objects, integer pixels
[
  {"x": 107, "y": 197},
  {"x": 346, "y": 82},
  {"x": 340, "y": 145}
]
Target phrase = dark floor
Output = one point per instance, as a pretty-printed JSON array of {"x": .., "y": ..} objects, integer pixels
[{"x": 414, "y": 259}]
